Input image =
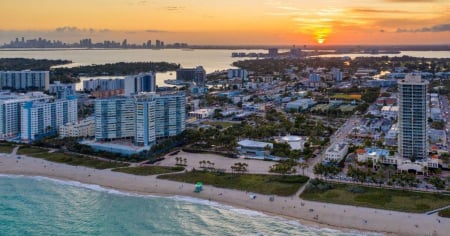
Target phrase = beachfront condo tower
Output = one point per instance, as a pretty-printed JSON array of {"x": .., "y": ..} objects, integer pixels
[
  {"x": 141, "y": 118},
  {"x": 412, "y": 117}
]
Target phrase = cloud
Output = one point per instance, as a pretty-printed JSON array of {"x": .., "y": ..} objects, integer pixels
[
  {"x": 371, "y": 10},
  {"x": 74, "y": 29},
  {"x": 156, "y": 31},
  {"x": 434, "y": 28},
  {"x": 408, "y": 1},
  {"x": 175, "y": 8},
  {"x": 67, "y": 29}
]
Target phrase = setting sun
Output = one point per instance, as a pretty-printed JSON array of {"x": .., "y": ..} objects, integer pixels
[{"x": 321, "y": 35}]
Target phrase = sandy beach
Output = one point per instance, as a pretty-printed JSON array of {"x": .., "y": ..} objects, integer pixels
[{"x": 306, "y": 212}]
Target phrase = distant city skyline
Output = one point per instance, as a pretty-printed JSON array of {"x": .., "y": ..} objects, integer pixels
[{"x": 232, "y": 22}]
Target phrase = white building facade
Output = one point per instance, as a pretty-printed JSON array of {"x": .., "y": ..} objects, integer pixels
[
  {"x": 25, "y": 80},
  {"x": 83, "y": 128},
  {"x": 143, "y": 82},
  {"x": 142, "y": 118},
  {"x": 336, "y": 152},
  {"x": 40, "y": 119},
  {"x": 412, "y": 117},
  {"x": 10, "y": 111}
]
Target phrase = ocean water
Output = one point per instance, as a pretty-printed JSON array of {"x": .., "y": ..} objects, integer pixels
[{"x": 43, "y": 206}]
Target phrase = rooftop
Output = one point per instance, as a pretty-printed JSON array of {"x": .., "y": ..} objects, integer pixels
[{"x": 256, "y": 144}]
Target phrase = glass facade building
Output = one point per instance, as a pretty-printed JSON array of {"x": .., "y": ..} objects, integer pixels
[{"x": 412, "y": 117}]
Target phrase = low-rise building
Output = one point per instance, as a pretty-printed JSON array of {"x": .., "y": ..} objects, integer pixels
[
  {"x": 419, "y": 166},
  {"x": 254, "y": 148},
  {"x": 390, "y": 138},
  {"x": 376, "y": 155},
  {"x": 302, "y": 104},
  {"x": 201, "y": 113},
  {"x": 83, "y": 128},
  {"x": 336, "y": 152},
  {"x": 296, "y": 142},
  {"x": 389, "y": 112}
]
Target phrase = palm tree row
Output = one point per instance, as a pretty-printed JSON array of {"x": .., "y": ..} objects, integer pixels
[
  {"x": 210, "y": 165},
  {"x": 181, "y": 161},
  {"x": 239, "y": 168}
]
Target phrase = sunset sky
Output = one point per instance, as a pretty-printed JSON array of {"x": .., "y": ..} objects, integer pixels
[{"x": 230, "y": 21}]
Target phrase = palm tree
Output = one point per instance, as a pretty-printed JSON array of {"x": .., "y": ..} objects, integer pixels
[
  {"x": 209, "y": 164},
  {"x": 177, "y": 159},
  {"x": 185, "y": 161},
  {"x": 200, "y": 163},
  {"x": 303, "y": 166},
  {"x": 233, "y": 169}
]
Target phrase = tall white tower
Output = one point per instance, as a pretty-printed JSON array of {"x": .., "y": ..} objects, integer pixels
[{"x": 412, "y": 118}]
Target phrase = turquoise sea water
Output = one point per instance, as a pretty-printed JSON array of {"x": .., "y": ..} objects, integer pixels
[{"x": 43, "y": 206}]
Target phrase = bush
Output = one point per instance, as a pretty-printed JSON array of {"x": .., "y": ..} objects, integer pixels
[
  {"x": 355, "y": 189},
  {"x": 318, "y": 185}
]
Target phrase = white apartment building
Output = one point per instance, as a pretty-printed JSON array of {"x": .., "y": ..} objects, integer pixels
[
  {"x": 143, "y": 82},
  {"x": 62, "y": 91},
  {"x": 336, "y": 152},
  {"x": 25, "y": 80},
  {"x": 412, "y": 117},
  {"x": 40, "y": 119},
  {"x": 103, "y": 84},
  {"x": 83, "y": 128},
  {"x": 10, "y": 107}
]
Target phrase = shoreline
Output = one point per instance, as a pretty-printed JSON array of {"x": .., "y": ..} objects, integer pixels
[{"x": 308, "y": 213}]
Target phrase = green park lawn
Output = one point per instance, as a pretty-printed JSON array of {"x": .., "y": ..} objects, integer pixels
[
  {"x": 263, "y": 184},
  {"x": 6, "y": 147},
  {"x": 76, "y": 160},
  {"x": 445, "y": 213},
  {"x": 389, "y": 199},
  {"x": 25, "y": 150},
  {"x": 149, "y": 170}
]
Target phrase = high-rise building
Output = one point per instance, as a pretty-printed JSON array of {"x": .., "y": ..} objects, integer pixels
[
  {"x": 196, "y": 75},
  {"x": 114, "y": 118},
  {"x": 143, "y": 82},
  {"x": 142, "y": 118},
  {"x": 61, "y": 91},
  {"x": 170, "y": 115},
  {"x": 412, "y": 117},
  {"x": 295, "y": 52},
  {"x": 273, "y": 52},
  {"x": 40, "y": 119},
  {"x": 337, "y": 74},
  {"x": 237, "y": 73},
  {"x": 10, "y": 107},
  {"x": 24, "y": 80},
  {"x": 103, "y": 84}
]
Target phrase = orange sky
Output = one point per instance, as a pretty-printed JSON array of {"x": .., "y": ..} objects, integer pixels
[{"x": 230, "y": 21}]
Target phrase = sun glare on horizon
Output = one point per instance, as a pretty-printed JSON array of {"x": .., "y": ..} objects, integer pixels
[{"x": 321, "y": 34}]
